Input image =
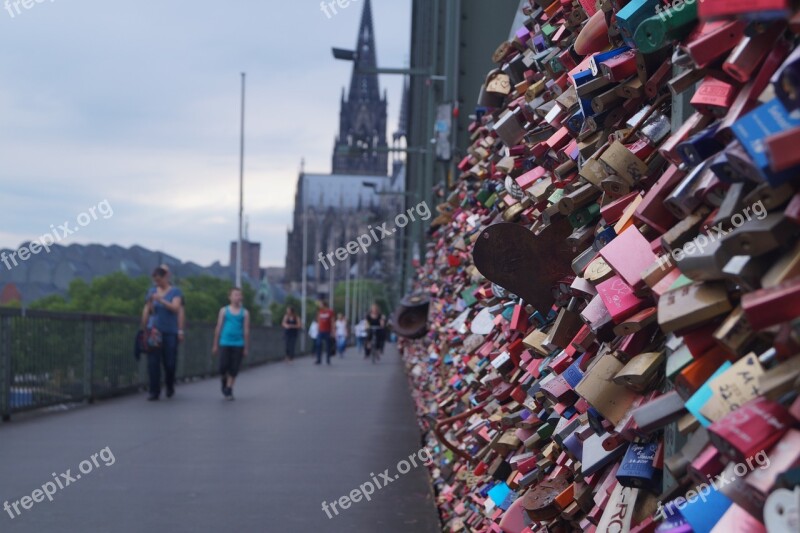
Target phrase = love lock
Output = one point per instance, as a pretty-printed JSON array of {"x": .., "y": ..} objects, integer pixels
[{"x": 524, "y": 263}]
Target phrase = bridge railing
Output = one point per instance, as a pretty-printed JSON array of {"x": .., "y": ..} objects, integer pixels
[{"x": 50, "y": 358}]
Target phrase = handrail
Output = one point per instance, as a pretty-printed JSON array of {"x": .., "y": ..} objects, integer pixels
[{"x": 53, "y": 357}]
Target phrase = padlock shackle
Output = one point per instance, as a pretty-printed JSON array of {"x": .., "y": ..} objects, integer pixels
[{"x": 442, "y": 424}]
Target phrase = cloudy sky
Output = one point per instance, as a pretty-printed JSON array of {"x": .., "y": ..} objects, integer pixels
[{"x": 137, "y": 103}]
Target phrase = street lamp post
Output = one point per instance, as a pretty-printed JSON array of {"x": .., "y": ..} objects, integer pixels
[
  {"x": 305, "y": 281},
  {"x": 241, "y": 194},
  {"x": 347, "y": 290},
  {"x": 331, "y": 281}
]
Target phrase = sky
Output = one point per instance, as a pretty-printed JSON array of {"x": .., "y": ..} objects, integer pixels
[{"x": 133, "y": 108}]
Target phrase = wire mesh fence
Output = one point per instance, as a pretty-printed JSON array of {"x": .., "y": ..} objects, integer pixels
[{"x": 49, "y": 358}]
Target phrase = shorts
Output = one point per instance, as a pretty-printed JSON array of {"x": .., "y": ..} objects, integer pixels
[{"x": 230, "y": 360}]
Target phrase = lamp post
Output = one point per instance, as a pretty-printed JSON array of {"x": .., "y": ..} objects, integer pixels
[
  {"x": 241, "y": 194},
  {"x": 347, "y": 290},
  {"x": 356, "y": 311},
  {"x": 305, "y": 281},
  {"x": 331, "y": 281}
]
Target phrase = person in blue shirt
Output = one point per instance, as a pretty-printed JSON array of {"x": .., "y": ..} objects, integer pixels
[
  {"x": 232, "y": 335},
  {"x": 163, "y": 311},
  {"x": 181, "y": 313}
]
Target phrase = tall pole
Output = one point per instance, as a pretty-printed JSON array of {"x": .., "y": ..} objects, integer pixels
[
  {"x": 358, "y": 296},
  {"x": 356, "y": 313},
  {"x": 241, "y": 194},
  {"x": 347, "y": 291},
  {"x": 331, "y": 279},
  {"x": 305, "y": 282}
]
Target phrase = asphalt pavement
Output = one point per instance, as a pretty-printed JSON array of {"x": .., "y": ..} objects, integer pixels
[{"x": 297, "y": 435}]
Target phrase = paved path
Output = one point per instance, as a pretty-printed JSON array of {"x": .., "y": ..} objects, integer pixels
[{"x": 297, "y": 434}]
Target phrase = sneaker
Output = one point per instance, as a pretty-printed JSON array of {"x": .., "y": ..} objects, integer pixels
[
  {"x": 170, "y": 393},
  {"x": 152, "y": 398},
  {"x": 230, "y": 397}
]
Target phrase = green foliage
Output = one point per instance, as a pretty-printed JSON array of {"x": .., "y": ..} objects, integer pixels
[
  {"x": 115, "y": 294},
  {"x": 370, "y": 292},
  {"x": 204, "y": 295},
  {"x": 121, "y": 295}
]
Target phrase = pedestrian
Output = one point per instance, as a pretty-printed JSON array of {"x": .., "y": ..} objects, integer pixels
[
  {"x": 231, "y": 340},
  {"x": 381, "y": 334},
  {"x": 181, "y": 312},
  {"x": 162, "y": 318},
  {"x": 325, "y": 329},
  {"x": 361, "y": 335},
  {"x": 376, "y": 323},
  {"x": 341, "y": 334},
  {"x": 291, "y": 327},
  {"x": 313, "y": 332}
]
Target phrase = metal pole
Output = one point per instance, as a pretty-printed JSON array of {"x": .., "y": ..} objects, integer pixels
[
  {"x": 88, "y": 361},
  {"x": 430, "y": 167},
  {"x": 452, "y": 43},
  {"x": 356, "y": 297},
  {"x": 347, "y": 291},
  {"x": 352, "y": 306},
  {"x": 5, "y": 368},
  {"x": 360, "y": 298},
  {"x": 241, "y": 194},
  {"x": 305, "y": 283},
  {"x": 331, "y": 279}
]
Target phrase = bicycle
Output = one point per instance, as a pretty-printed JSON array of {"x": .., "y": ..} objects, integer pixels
[{"x": 372, "y": 344}]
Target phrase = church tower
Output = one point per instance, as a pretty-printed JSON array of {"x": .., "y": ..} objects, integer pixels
[{"x": 360, "y": 147}]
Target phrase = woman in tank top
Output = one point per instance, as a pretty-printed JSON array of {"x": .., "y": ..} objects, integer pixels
[{"x": 291, "y": 326}]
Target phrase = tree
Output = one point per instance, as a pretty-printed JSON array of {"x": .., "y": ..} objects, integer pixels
[
  {"x": 121, "y": 295},
  {"x": 115, "y": 294},
  {"x": 371, "y": 292}
]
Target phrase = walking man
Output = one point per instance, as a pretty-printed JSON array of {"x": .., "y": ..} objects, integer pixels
[{"x": 325, "y": 329}]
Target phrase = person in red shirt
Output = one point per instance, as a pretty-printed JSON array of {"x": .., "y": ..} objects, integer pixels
[{"x": 325, "y": 325}]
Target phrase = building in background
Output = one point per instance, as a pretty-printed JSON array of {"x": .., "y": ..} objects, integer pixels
[
  {"x": 336, "y": 208},
  {"x": 251, "y": 258}
]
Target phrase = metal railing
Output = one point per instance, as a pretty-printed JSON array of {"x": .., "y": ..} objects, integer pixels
[{"x": 49, "y": 358}]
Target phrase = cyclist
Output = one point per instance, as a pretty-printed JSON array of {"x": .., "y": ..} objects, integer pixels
[{"x": 376, "y": 324}]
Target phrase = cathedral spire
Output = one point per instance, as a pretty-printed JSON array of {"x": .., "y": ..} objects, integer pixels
[
  {"x": 361, "y": 147},
  {"x": 364, "y": 85}
]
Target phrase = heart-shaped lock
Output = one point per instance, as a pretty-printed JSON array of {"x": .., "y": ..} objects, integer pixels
[{"x": 524, "y": 263}]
